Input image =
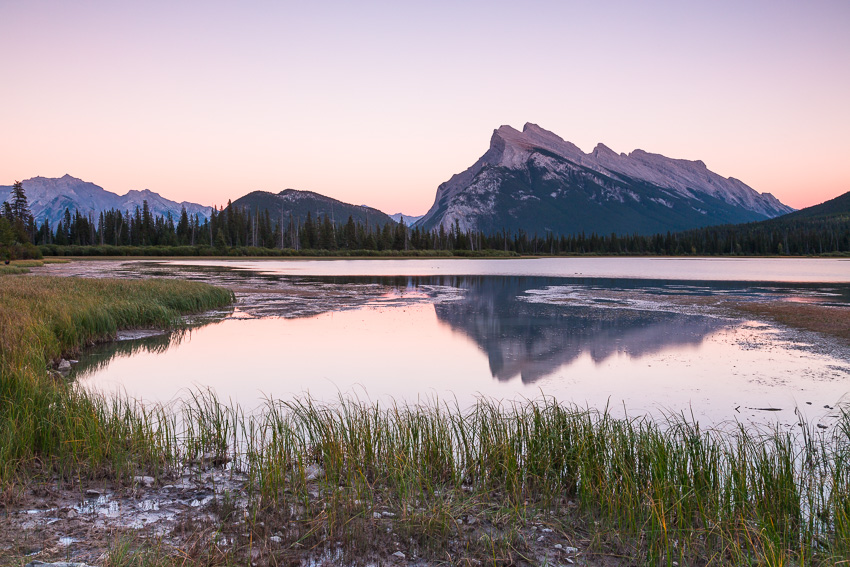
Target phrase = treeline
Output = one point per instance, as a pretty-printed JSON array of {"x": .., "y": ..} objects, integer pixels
[
  {"x": 17, "y": 227},
  {"x": 322, "y": 238},
  {"x": 236, "y": 231}
]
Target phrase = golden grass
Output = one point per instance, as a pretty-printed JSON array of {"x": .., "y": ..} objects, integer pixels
[{"x": 827, "y": 319}]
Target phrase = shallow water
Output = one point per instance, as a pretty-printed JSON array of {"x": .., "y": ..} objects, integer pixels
[{"x": 642, "y": 344}]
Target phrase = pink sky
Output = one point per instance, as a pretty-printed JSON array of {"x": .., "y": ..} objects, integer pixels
[{"x": 379, "y": 102}]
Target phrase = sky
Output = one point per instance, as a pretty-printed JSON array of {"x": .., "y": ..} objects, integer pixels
[{"x": 379, "y": 102}]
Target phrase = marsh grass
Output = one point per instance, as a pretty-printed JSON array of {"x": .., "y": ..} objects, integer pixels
[
  {"x": 674, "y": 492},
  {"x": 45, "y": 423},
  {"x": 450, "y": 483},
  {"x": 22, "y": 266}
]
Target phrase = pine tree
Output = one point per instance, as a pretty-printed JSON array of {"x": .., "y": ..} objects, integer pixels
[
  {"x": 20, "y": 206},
  {"x": 19, "y": 214}
]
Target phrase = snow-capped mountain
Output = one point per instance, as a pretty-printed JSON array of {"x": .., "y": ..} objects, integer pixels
[
  {"x": 49, "y": 197},
  {"x": 408, "y": 219},
  {"x": 537, "y": 182}
]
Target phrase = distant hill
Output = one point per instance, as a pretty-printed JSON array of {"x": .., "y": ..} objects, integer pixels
[
  {"x": 537, "y": 182},
  {"x": 834, "y": 209},
  {"x": 299, "y": 203},
  {"x": 49, "y": 197},
  {"x": 819, "y": 229}
]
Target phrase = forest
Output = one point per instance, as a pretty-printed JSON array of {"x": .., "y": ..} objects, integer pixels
[{"x": 230, "y": 230}]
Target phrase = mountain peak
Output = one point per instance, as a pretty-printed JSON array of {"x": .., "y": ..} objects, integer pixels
[
  {"x": 50, "y": 196},
  {"x": 514, "y": 146},
  {"x": 601, "y": 150},
  {"x": 534, "y": 180}
]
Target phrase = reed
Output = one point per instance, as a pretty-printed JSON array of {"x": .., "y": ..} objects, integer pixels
[
  {"x": 46, "y": 423},
  {"x": 672, "y": 491}
]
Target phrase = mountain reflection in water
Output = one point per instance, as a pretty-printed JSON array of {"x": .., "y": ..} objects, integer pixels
[
  {"x": 533, "y": 340},
  {"x": 641, "y": 345}
]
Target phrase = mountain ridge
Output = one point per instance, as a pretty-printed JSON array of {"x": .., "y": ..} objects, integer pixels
[
  {"x": 528, "y": 179},
  {"x": 48, "y": 198},
  {"x": 299, "y": 203}
]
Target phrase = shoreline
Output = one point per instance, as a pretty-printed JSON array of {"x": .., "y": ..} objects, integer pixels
[{"x": 541, "y": 482}]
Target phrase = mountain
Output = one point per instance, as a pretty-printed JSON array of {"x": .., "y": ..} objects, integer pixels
[
  {"x": 409, "y": 220},
  {"x": 834, "y": 209},
  {"x": 819, "y": 229},
  {"x": 299, "y": 203},
  {"x": 537, "y": 182},
  {"x": 49, "y": 197}
]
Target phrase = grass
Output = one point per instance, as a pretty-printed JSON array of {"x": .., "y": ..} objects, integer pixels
[
  {"x": 671, "y": 492},
  {"x": 16, "y": 267},
  {"x": 47, "y": 424},
  {"x": 830, "y": 319},
  {"x": 433, "y": 480}
]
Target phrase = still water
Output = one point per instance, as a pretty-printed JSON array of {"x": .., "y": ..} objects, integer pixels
[{"x": 641, "y": 336}]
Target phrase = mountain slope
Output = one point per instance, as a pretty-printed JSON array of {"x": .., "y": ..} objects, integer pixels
[
  {"x": 49, "y": 197},
  {"x": 535, "y": 181},
  {"x": 834, "y": 209},
  {"x": 299, "y": 203}
]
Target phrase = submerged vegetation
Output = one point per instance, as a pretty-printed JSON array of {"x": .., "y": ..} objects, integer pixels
[{"x": 492, "y": 483}]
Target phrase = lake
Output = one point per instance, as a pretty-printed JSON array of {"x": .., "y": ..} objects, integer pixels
[{"x": 639, "y": 335}]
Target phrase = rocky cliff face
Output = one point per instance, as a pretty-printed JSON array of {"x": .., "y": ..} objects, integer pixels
[
  {"x": 535, "y": 181},
  {"x": 49, "y": 197}
]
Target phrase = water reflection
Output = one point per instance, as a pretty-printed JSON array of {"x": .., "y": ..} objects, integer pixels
[
  {"x": 639, "y": 345},
  {"x": 521, "y": 334},
  {"x": 98, "y": 358},
  {"x": 534, "y": 339}
]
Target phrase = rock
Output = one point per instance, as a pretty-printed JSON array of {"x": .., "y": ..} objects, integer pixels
[
  {"x": 211, "y": 459},
  {"x": 60, "y": 564},
  {"x": 559, "y": 546},
  {"x": 146, "y": 480},
  {"x": 399, "y": 554},
  {"x": 64, "y": 366},
  {"x": 71, "y": 514},
  {"x": 569, "y": 549},
  {"x": 92, "y": 494},
  {"x": 388, "y": 514},
  {"x": 275, "y": 539},
  {"x": 313, "y": 472},
  {"x": 471, "y": 520}
]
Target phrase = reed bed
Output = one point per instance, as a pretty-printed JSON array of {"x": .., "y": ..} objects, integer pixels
[
  {"x": 672, "y": 492},
  {"x": 455, "y": 484},
  {"x": 46, "y": 424}
]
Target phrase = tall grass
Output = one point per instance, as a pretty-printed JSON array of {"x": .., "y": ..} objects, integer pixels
[
  {"x": 672, "y": 492},
  {"x": 45, "y": 423}
]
